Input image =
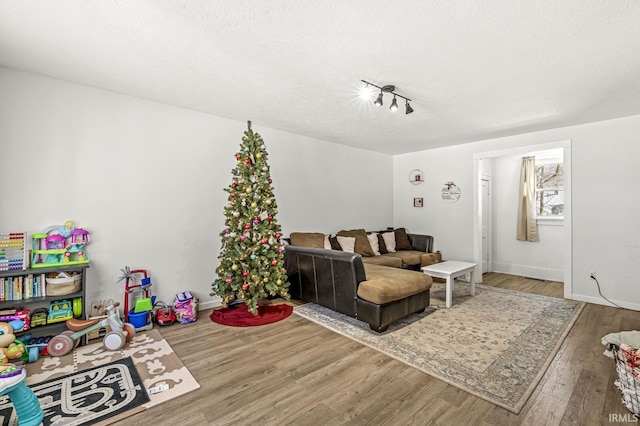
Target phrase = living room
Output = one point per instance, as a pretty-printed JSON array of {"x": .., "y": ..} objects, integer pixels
[{"x": 147, "y": 178}]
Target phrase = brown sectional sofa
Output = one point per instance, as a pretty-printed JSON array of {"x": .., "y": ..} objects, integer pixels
[{"x": 376, "y": 289}]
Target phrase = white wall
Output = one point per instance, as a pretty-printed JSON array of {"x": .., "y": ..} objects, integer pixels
[
  {"x": 543, "y": 259},
  {"x": 147, "y": 180},
  {"x": 605, "y": 207}
]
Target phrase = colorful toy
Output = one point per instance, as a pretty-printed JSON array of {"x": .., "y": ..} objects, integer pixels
[
  {"x": 39, "y": 317},
  {"x": 13, "y": 251},
  {"x": 10, "y": 348},
  {"x": 121, "y": 332},
  {"x": 19, "y": 319},
  {"x": 140, "y": 296},
  {"x": 185, "y": 307},
  {"x": 36, "y": 346},
  {"x": 60, "y": 310},
  {"x": 59, "y": 246},
  {"x": 163, "y": 314}
]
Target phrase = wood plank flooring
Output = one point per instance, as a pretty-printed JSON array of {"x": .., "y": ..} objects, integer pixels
[{"x": 295, "y": 372}]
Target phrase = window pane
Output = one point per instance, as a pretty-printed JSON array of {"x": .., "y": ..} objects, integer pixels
[
  {"x": 550, "y": 176},
  {"x": 550, "y": 193},
  {"x": 550, "y": 203}
]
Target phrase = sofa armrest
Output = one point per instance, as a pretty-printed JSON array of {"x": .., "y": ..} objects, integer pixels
[
  {"x": 327, "y": 277},
  {"x": 421, "y": 242}
]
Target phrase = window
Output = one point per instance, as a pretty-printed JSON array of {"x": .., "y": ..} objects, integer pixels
[{"x": 549, "y": 188}]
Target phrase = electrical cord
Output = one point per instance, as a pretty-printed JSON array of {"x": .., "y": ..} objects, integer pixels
[{"x": 593, "y": 277}]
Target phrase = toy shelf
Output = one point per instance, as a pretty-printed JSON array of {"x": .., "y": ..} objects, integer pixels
[{"x": 32, "y": 303}]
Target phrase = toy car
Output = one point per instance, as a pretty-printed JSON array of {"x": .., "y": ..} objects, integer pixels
[
  {"x": 59, "y": 311},
  {"x": 39, "y": 317}
]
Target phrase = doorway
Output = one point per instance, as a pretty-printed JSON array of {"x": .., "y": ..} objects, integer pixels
[{"x": 482, "y": 221}]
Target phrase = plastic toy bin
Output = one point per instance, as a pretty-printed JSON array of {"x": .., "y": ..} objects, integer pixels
[{"x": 139, "y": 319}]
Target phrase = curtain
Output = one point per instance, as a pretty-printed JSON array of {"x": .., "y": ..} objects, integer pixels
[{"x": 527, "y": 228}]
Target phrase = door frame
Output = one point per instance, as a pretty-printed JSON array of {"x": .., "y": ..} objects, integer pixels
[
  {"x": 489, "y": 255},
  {"x": 568, "y": 237}
]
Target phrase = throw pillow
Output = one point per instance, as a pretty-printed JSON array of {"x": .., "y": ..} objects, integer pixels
[
  {"x": 307, "y": 239},
  {"x": 381, "y": 245},
  {"x": 347, "y": 243},
  {"x": 373, "y": 242},
  {"x": 390, "y": 241},
  {"x": 402, "y": 240},
  {"x": 335, "y": 245},
  {"x": 327, "y": 243},
  {"x": 362, "y": 245}
]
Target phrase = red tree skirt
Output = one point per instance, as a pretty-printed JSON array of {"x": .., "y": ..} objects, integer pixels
[{"x": 239, "y": 316}]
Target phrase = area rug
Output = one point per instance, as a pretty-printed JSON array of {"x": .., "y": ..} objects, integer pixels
[
  {"x": 86, "y": 397},
  {"x": 496, "y": 345},
  {"x": 239, "y": 315},
  {"x": 155, "y": 361}
]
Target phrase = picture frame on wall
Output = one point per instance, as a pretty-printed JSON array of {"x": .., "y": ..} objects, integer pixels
[{"x": 418, "y": 202}]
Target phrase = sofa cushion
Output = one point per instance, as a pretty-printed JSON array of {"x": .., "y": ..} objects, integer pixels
[
  {"x": 429, "y": 259},
  {"x": 394, "y": 262},
  {"x": 326, "y": 243},
  {"x": 402, "y": 240},
  {"x": 347, "y": 243},
  {"x": 335, "y": 245},
  {"x": 307, "y": 239},
  {"x": 389, "y": 241},
  {"x": 384, "y": 284},
  {"x": 381, "y": 245},
  {"x": 373, "y": 242},
  {"x": 362, "y": 246},
  {"x": 409, "y": 257}
]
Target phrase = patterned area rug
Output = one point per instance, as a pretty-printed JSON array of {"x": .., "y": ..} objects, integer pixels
[
  {"x": 86, "y": 397},
  {"x": 496, "y": 345},
  {"x": 156, "y": 363}
]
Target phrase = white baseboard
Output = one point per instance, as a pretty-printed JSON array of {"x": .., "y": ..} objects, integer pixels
[
  {"x": 529, "y": 271},
  {"x": 210, "y": 304},
  {"x": 601, "y": 301}
]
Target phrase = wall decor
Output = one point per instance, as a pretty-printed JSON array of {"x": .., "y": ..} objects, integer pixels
[
  {"x": 450, "y": 192},
  {"x": 416, "y": 177},
  {"x": 418, "y": 202}
]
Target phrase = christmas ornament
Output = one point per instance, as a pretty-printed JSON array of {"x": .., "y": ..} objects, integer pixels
[
  {"x": 245, "y": 286},
  {"x": 245, "y": 273},
  {"x": 234, "y": 267},
  {"x": 274, "y": 262}
]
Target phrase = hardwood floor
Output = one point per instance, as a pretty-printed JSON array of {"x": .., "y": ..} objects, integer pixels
[{"x": 297, "y": 372}]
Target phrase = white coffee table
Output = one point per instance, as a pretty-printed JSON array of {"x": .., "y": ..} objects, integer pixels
[{"x": 449, "y": 270}]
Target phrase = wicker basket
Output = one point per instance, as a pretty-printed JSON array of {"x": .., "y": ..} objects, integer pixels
[
  {"x": 63, "y": 286},
  {"x": 628, "y": 378}
]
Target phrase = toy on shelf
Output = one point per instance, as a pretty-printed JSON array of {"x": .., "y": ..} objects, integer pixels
[
  {"x": 60, "y": 310},
  {"x": 13, "y": 251},
  {"x": 121, "y": 332},
  {"x": 18, "y": 319},
  {"x": 59, "y": 246},
  {"x": 139, "y": 297}
]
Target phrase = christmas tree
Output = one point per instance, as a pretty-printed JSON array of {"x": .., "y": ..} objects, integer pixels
[{"x": 252, "y": 254}]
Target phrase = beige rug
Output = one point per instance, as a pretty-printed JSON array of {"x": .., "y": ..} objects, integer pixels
[
  {"x": 152, "y": 356},
  {"x": 496, "y": 345}
]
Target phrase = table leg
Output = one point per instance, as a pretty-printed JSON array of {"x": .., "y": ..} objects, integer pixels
[
  {"x": 472, "y": 284},
  {"x": 449, "y": 290}
]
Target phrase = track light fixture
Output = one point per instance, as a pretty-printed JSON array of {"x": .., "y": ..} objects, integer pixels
[{"x": 390, "y": 89}]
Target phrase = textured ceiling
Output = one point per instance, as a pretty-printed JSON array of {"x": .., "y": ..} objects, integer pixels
[{"x": 475, "y": 69}]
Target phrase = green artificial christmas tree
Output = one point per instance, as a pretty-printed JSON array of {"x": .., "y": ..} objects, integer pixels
[{"x": 252, "y": 254}]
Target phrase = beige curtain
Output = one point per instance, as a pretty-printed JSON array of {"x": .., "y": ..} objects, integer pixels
[{"x": 527, "y": 229}]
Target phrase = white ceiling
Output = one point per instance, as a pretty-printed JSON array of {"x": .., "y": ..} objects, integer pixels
[{"x": 474, "y": 69}]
